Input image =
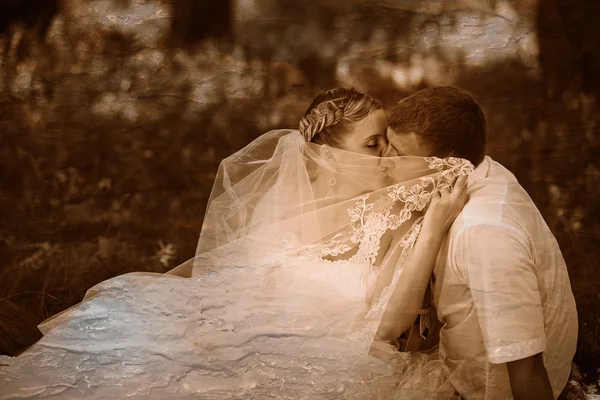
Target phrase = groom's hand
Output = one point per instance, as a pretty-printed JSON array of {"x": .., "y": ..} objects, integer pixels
[{"x": 529, "y": 379}]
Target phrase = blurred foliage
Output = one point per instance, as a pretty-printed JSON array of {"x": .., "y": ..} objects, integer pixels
[{"x": 116, "y": 113}]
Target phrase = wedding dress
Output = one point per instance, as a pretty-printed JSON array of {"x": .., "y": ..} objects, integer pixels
[{"x": 281, "y": 300}]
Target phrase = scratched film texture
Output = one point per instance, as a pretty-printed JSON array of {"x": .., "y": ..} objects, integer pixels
[{"x": 114, "y": 115}]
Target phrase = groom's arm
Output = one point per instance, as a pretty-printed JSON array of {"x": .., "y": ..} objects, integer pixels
[
  {"x": 500, "y": 273},
  {"x": 529, "y": 379}
]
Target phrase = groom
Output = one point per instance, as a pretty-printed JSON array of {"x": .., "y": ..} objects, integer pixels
[{"x": 500, "y": 285}]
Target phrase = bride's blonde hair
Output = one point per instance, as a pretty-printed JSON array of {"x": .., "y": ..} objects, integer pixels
[{"x": 332, "y": 113}]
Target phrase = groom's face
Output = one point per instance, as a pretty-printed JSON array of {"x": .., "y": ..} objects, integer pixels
[{"x": 405, "y": 144}]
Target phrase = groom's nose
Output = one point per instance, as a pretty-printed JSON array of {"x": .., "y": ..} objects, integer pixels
[{"x": 389, "y": 151}]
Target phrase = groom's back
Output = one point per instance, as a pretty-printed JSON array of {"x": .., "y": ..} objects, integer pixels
[{"x": 502, "y": 289}]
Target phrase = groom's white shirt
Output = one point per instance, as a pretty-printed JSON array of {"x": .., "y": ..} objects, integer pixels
[{"x": 502, "y": 290}]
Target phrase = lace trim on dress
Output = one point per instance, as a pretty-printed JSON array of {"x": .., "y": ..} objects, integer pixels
[{"x": 369, "y": 220}]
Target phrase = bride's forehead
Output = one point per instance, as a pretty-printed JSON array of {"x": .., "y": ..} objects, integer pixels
[{"x": 375, "y": 122}]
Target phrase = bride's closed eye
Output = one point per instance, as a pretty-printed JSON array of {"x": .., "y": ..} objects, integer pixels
[{"x": 376, "y": 142}]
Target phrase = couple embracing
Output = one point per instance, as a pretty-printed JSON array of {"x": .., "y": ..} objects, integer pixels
[{"x": 360, "y": 256}]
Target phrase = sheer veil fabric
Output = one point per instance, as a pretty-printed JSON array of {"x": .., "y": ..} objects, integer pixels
[
  {"x": 281, "y": 297},
  {"x": 284, "y": 202}
]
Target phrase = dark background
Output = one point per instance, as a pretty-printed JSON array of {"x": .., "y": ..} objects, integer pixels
[{"x": 114, "y": 115}]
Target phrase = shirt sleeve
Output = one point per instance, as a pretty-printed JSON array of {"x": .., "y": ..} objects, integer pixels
[{"x": 502, "y": 278}]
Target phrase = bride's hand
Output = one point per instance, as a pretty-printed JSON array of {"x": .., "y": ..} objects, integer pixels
[{"x": 445, "y": 206}]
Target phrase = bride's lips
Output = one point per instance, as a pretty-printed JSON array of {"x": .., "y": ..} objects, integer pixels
[{"x": 386, "y": 163}]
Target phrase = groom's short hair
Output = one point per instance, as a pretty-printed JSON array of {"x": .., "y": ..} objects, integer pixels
[{"x": 448, "y": 121}]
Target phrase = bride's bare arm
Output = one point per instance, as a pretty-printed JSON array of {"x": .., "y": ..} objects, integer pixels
[{"x": 407, "y": 297}]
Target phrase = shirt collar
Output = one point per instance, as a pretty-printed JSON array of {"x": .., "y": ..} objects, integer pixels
[{"x": 480, "y": 172}]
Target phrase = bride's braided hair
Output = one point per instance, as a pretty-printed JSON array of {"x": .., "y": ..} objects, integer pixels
[{"x": 331, "y": 113}]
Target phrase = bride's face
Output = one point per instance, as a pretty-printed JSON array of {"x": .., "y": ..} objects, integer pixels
[{"x": 368, "y": 135}]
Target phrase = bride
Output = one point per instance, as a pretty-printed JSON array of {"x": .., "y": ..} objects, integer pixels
[{"x": 307, "y": 281}]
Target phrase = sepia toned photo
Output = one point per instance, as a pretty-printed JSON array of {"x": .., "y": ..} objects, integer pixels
[{"x": 261, "y": 199}]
